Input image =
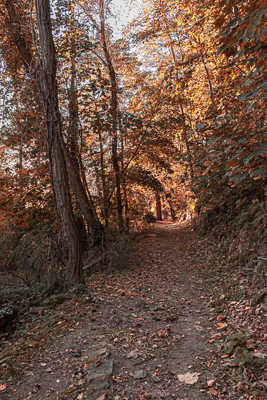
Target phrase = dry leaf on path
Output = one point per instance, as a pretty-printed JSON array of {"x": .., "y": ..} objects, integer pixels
[
  {"x": 3, "y": 387},
  {"x": 189, "y": 378}
]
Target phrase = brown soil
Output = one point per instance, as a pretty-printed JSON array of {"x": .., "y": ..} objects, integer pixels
[{"x": 154, "y": 318}]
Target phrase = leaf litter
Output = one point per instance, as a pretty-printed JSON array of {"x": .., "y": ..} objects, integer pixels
[{"x": 155, "y": 320}]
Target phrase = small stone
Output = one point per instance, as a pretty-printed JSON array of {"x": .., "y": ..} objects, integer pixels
[
  {"x": 102, "y": 397},
  {"x": 156, "y": 378},
  {"x": 133, "y": 354},
  {"x": 138, "y": 374}
]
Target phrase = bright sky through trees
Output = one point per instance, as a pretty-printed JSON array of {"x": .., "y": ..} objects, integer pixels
[{"x": 124, "y": 11}]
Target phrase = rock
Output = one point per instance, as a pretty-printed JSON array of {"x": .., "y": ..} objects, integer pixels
[
  {"x": 98, "y": 352},
  {"x": 138, "y": 374},
  {"x": 173, "y": 366},
  {"x": 133, "y": 354},
  {"x": 100, "y": 368},
  {"x": 190, "y": 378},
  {"x": 102, "y": 397},
  {"x": 99, "y": 376},
  {"x": 259, "y": 297},
  {"x": 7, "y": 315}
]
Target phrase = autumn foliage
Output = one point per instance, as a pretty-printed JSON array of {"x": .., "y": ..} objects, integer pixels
[{"x": 175, "y": 108}]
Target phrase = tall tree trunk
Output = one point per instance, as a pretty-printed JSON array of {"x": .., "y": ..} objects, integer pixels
[
  {"x": 44, "y": 79},
  {"x": 184, "y": 131},
  {"x": 123, "y": 180},
  {"x": 114, "y": 113},
  {"x": 43, "y": 74},
  {"x": 58, "y": 169},
  {"x": 74, "y": 161}
]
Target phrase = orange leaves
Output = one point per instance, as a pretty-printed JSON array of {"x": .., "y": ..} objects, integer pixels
[
  {"x": 221, "y": 317},
  {"x": 161, "y": 333},
  {"x": 222, "y": 325},
  {"x": 213, "y": 391}
]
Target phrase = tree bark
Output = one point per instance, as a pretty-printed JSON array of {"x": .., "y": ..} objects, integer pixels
[
  {"x": 114, "y": 113},
  {"x": 43, "y": 75},
  {"x": 103, "y": 179},
  {"x": 73, "y": 158},
  {"x": 158, "y": 206},
  {"x": 58, "y": 169}
]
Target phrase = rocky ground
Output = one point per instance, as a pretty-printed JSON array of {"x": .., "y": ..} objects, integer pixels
[{"x": 147, "y": 330}]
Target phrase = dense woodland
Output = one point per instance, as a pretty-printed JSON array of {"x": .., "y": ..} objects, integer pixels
[
  {"x": 102, "y": 134},
  {"x": 133, "y": 200}
]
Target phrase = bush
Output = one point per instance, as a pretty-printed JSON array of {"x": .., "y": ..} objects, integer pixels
[
  {"x": 33, "y": 256},
  {"x": 150, "y": 218}
]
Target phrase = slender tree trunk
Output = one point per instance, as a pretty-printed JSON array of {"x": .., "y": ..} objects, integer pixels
[
  {"x": 124, "y": 185},
  {"x": 209, "y": 79},
  {"x": 74, "y": 162},
  {"x": 173, "y": 214},
  {"x": 158, "y": 206},
  {"x": 184, "y": 132},
  {"x": 103, "y": 180},
  {"x": 95, "y": 227},
  {"x": 114, "y": 113}
]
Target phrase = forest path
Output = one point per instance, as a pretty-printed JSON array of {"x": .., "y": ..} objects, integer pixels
[{"x": 146, "y": 336}]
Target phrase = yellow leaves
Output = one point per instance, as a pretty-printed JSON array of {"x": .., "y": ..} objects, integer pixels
[{"x": 179, "y": 21}]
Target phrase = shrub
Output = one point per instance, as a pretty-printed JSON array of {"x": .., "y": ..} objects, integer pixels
[{"x": 150, "y": 218}]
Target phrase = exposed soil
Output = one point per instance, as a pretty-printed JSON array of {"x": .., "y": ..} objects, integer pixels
[{"x": 149, "y": 323}]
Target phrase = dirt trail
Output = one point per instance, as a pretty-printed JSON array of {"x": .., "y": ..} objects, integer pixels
[{"x": 147, "y": 331}]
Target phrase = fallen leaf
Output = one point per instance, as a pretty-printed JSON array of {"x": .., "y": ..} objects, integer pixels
[
  {"x": 221, "y": 317},
  {"x": 208, "y": 363},
  {"x": 189, "y": 378},
  {"x": 222, "y": 325},
  {"x": 210, "y": 382},
  {"x": 213, "y": 391},
  {"x": 2, "y": 387}
]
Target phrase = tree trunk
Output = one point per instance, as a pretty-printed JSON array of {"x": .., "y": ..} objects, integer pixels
[
  {"x": 173, "y": 214},
  {"x": 58, "y": 170},
  {"x": 158, "y": 206},
  {"x": 103, "y": 180},
  {"x": 73, "y": 158},
  {"x": 114, "y": 114},
  {"x": 43, "y": 74},
  {"x": 184, "y": 131}
]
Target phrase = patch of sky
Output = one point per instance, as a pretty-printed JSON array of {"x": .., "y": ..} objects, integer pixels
[{"x": 122, "y": 13}]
